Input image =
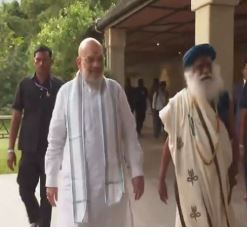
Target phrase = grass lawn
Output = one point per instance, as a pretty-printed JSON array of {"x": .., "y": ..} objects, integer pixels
[
  {"x": 3, "y": 153},
  {"x": 3, "y": 157}
]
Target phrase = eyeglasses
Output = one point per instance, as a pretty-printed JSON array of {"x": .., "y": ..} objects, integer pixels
[{"x": 92, "y": 60}]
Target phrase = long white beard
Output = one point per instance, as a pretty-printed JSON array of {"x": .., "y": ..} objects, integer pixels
[{"x": 209, "y": 89}]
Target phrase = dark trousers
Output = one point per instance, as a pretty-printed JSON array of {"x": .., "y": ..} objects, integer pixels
[
  {"x": 140, "y": 117},
  {"x": 157, "y": 124},
  {"x": 245, "y": 174},
  {"x": 31, "y": 170}
]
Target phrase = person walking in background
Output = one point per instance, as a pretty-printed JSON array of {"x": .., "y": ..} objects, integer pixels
[
  {"x": 160, "y": 99},
  {"x": 153, "y": 89},
  {"x": 35, "y": 99},
  {"x": 243, "y": 123},
  {"x": 141, "y": 96},
  {"x": 130, "y": 93}
]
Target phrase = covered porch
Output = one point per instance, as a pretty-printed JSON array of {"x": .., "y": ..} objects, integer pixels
[{"x": 147, "y": 38}]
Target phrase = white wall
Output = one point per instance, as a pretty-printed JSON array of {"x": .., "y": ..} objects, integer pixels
[{"x": 150, "y": 70}]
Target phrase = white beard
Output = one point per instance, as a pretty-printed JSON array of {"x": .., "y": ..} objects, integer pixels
[
  {"x": 93, "y": 82},
  {"x": 209, "y": 89}
]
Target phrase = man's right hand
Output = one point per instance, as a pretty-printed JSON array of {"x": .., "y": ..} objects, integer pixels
[
  {"x": 51, "y": 193},
  {"x": 11, "y": 161},
  {"x": 163, "y": 191}
]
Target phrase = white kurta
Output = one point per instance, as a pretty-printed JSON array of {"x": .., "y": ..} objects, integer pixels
[{"x": 99, "y": 213}]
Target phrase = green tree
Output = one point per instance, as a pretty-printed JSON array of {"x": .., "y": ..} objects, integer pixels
[
  {"x": 60, "y": 24},
  {"x": 11, "y": 46},
  {"x": 104, "y": 4},
  {"x": 64, "y": 33}
]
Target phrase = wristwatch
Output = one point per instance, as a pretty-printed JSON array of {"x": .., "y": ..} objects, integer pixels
[{"x": 11, "y": 150}]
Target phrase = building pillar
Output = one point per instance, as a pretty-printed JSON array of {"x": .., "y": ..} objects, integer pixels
[
  {"x": 115, "y": 41},
  {"x": 214, "y": 24}
]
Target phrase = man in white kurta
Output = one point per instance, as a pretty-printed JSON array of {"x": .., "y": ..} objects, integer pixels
[
  {"x": 86, "y": 158},
  {"x": 199, "y": 145}
]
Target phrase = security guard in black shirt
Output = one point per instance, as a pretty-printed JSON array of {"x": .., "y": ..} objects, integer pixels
[{"x": 32, "y": 108}]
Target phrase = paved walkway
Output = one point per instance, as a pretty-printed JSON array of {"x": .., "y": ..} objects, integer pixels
[{"x": 149, "y": 211}]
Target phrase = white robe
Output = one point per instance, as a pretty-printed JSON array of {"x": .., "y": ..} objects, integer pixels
[
  {"x": 202, "y": 199},
  {"x": 98, "y": 212}
]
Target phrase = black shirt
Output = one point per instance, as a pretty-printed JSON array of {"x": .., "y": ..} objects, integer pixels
[
  {"x": 141, "y": 94},
  {"x": 37, "y": 101},
  {"x": 130, "y": 93},
  {"x": 243, "y": 98},
  {"x": 223, "y": 107}
]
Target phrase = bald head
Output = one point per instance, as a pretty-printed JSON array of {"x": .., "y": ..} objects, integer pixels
[
  {"x": 90, "y": 60},
  {"x": 89, "y": 44}
]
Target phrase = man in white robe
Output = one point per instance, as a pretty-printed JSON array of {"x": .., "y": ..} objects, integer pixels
[
  {"x": 92, "y": 136},
  {"x": 199, "y": 145}
]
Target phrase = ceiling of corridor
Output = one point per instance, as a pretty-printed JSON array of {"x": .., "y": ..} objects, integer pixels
[{"x": 167, "y": 26}]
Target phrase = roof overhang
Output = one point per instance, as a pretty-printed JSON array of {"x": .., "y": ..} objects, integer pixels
[
  {"x": 120, "y": 12},
  {"x": 162, "y": 26}
]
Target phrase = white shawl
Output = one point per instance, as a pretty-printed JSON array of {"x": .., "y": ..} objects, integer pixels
[
  {"x": 114, "y": 179},
  {"x": 202, "y": 190}
]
